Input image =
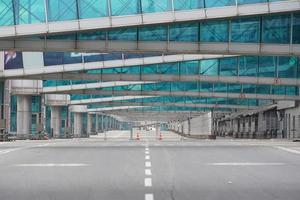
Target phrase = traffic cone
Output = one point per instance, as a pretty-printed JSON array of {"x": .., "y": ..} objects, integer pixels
[
  {"x": 160, "y": 136},
  {"x": 138, "y": 136}
]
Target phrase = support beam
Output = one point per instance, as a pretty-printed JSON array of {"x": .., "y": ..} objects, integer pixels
[
  {"x": 189, "y": 105},
  {"x": 187, "y": 93}
]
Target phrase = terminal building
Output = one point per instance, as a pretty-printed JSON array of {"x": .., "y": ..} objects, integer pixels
[{"x": 73, "y": 68}]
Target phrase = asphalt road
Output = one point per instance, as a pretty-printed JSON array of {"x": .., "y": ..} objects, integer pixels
[{"x": 98, "y": 169}]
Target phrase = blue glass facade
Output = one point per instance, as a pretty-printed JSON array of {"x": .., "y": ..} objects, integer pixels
[
  {"x": 238, "y": 66},
  {"x": 30, "y": 12},
  {"x": 275, "y": 28}
]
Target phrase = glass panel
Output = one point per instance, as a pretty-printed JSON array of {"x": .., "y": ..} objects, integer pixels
[
  {"x": 267, "y": 66},
  {"x": 245, "y": 30},
  {"x": 59, "y": 10},
  {"x": 153, "y": 33},
  {"x": 276, "y": 29},
  {"x": 278, "y": 90},
  {"x": 189, "y": 67},
  {"x": 214, "y": 31},
  {"x": 219, "y": 3},
  {"x": 263, "y": 89},
  {"x": 248, "y": 66},
  {"x": 296, "y": 29},
  {"x": 29, "y": 11},
  {"x": 287, "y": 67},
  {"x": 129, "y": 34},
  {"x": 125, "y": 7},
  {"x": 6, "y": 13},
  {"x": 209, "y": 67},
  {"x": 92, "y": 8},
  {"x": 150, "y": 6},
  {"x": 184, "y": 32},
  {"x": 241, "y": 2},
  {"x": 188, "y": 4},
  {"x": 228, "y": 66}
]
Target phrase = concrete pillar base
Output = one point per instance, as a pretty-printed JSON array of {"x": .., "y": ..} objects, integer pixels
[{"x": 24, "y": 114}]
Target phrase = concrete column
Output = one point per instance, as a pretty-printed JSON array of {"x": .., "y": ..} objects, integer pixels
[
  {"x": 24, "y": 111},
  {"x": 102, "y": 123},
  {"x": 56, "y": 121},
  {"x": 89, "y": 123},
  {"x": 97, "y": 124},
  {"x": 77, "y": 125}
]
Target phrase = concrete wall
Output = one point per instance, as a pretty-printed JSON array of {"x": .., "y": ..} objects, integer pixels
[{"x": 202, "y": 125}]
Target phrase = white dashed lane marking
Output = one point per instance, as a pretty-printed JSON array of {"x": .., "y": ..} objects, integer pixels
[
  {"x": 148, "y": 164},
  {"x": 149, "y": 197},
  {"x": 288, "y": 150},
  {"x": 148, "y": 172},
  {"x": 148, "y": 182},
  {"x": 147, "y": 157}
]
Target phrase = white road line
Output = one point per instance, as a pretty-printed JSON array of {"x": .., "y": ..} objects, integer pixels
[
  {"x": 148, "y": 172},
  {"x": 147, "y": 152},
  {"x": 9, "y": 150},
  {"x": 42, "y": 145},
  {"x": 246, "y": 164},
  {"x": 149, "y": 197},
  {"x": 148, "y": 182},
  {"x": 146, "y": 149},
  {"x": 288, "y": 150},
  {"x": 147, "y": 157},
  {"x": 148, "y": 164},
  {"x": 53, "y": 165}
]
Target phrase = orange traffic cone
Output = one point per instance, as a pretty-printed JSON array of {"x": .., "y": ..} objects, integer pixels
[
  {"x": 160, "y": 136},
  {"x": 138, "y": 136}
]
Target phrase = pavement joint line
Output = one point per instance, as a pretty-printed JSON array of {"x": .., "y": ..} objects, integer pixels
[
  {"x": 148, "y": 182},
  {"x": 288, "y": 150},
  {"x": 149, "y": 197}
]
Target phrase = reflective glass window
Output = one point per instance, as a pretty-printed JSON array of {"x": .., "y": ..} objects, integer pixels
[
  {"x": 267, "y": 66},
  {"x": 184, "y": 32},
  {"x": 228, "y": 66},
  {"x": 129, "y": 34},
  {"x": 153, "y": 33},
  {"x": 214, "y": 31},
  {"x": 209, "y": 67},
  {"x": 189, "y": 67},
  {"x": 296, "y": 28},
  {"x": 206, "y": 87},
  {"x": 276, "y": 29},
  {"x": 245, "y": 30},
  {"x": 263, "y": 89},
  {"x": 151, "y": 6},
  {"x": 248, "y": 65},
  {"x": 278, "y": 89},
  {"x": 219, "y": 3},
  {"x": 220, "y": 87},
  {"x": 59, "y": 10},
  {"x": 287, "y": 67},
  {"x": 241, "y": 2},
  {"x": 6, "y": 13},
  {"x": 92, "y": 8},
  {"x": 188, "y": 4},
  {"x": 125, "y": 7},
  {"x": 29, "y": 11}
]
